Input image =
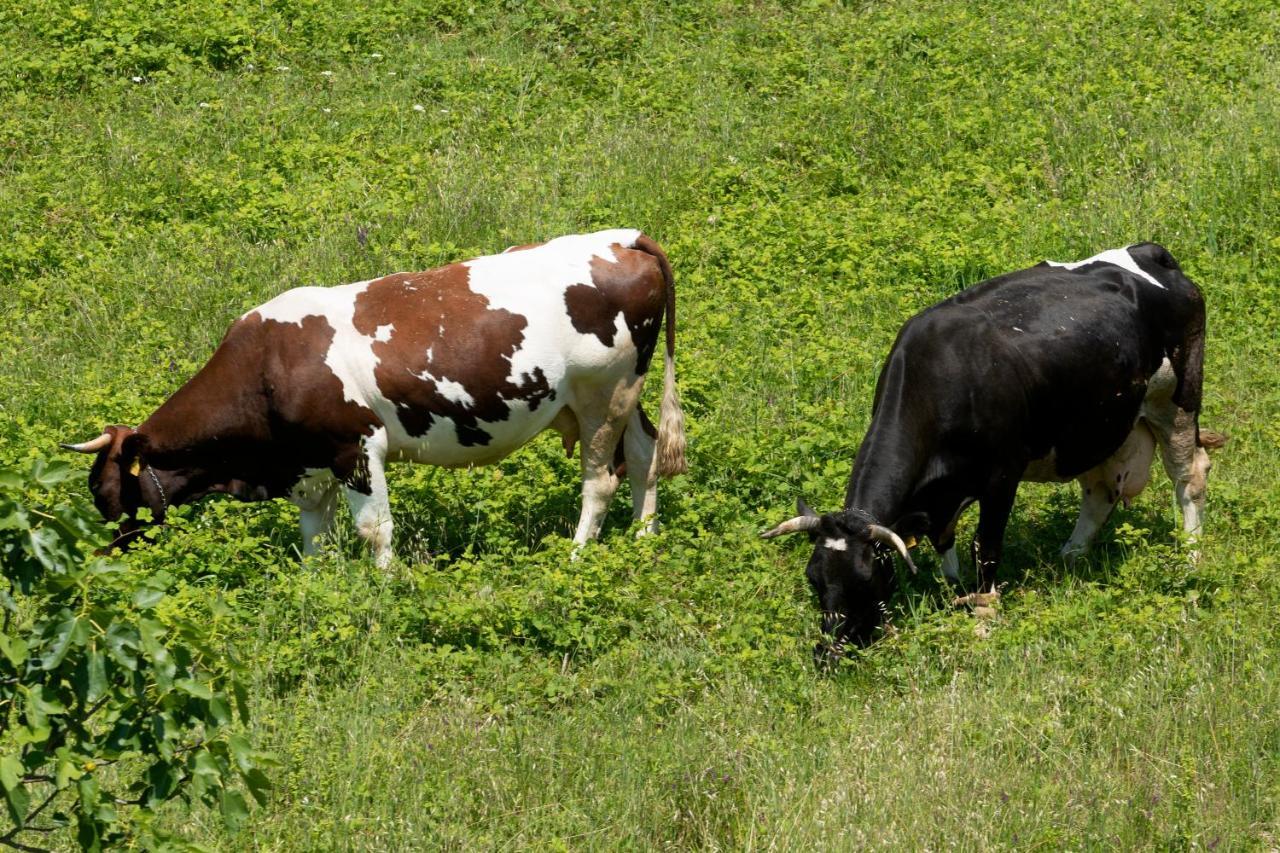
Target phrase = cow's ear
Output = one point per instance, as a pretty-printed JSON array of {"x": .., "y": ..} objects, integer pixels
[
  {"x": 912, "y": 527},
  {"x": 131, "y": 450},
  {"x": 803, "y": 509}
]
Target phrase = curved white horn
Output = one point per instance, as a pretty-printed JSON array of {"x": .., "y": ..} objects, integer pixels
[
  {"x": 888, "y": 537},
  {"x": 793, "y": 525},
  {"x": 89, "y": 446}
]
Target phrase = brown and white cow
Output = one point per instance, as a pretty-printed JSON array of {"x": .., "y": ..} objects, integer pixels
[{"x": 309, "y": 396}]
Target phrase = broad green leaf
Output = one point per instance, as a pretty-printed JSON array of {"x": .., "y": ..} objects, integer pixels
[
  {"x": 146, "y": 598},
  {"x": 69, "y": 632},
  {"x": 205, "y": 765},
  {"x": 87, "y": 834},
  {"x": 13, "y": 648},
  {"x": 97, "y": 676},
  {"x": 220, "y": 710},
  {"x": 194, "y": 688},
  {"x": 162, "y": 781},
  {"x": 242, "y": 699},
  {"x": 235, "y": 811},
  {"x": 122, "y": 640},
  {"x": 241, "y": 751},
  {"x": 45, "y": 546},
  {"x": 33, "y": 732},
  {"x": 67, "y": 768},
  {"x": 11, "y": 772},
  {"x": 50, "y": 473},
  {"x": 18, "y": 801},
  {"x": 39, "y": 706},
  {"x": 258, "y": 784}
]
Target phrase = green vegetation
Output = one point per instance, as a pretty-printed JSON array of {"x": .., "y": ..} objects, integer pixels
[
  {"x": 112, "y": 694},
  {"x": 817, "y": 172}
]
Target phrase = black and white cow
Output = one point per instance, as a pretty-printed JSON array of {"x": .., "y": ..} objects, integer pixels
[
  {"x": 1061, "y": 371},
  {"x": 309, "y": 396}
]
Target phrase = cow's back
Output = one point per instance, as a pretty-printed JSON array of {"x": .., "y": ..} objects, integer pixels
[
  {"x": 463, "y": 363},
  {"x": 1055, "y": 358}
]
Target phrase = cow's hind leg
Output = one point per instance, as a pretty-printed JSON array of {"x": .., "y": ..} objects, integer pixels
[
  {"x": 366, "y": 491},
  {"x": 603, "y": 412},
  {"x": 639, "y": 445},
  {"x": 1187, "y": 465},
  {"x": 1122, "y": 477},
  {"x": 1186, "y": 462}
]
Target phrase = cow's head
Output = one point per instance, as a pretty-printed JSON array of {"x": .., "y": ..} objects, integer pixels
[
  {"x": 851, "y": 571},
  {"x": 119, "y": 481}
]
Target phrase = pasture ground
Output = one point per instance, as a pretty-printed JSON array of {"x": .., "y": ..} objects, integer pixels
[{"x": 817, "y": 172}]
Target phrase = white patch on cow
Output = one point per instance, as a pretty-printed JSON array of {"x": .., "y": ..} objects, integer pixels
[
  {"x": 836, "y": 544},
  {"x": 293, "y": 306},
  {"x": 382, "y": 334},
  {"x": 532, "y": 283},
  {"x": 454, "y": 392},
  {"x": 1116, "y": 257}
]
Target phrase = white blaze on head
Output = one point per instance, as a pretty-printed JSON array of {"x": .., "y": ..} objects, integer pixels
[
  {"x": 836, "y": 544},
  {"x": 1116, "y": 257}
]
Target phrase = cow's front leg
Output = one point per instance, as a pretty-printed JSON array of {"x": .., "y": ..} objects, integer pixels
[
  {"x": 988, "y": 545},
  {"x": 315, "y": 496},
  {"x": 366, "y": 492},
  {"x": 316, "y": 520}
]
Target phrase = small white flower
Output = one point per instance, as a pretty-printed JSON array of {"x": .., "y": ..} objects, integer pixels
[
  {"x": 249, "y": 66},
  {"x": 282, "y": 68},
  {"x": 327, "y": 110},
  {"x": 204, "y": 105},
  {"x": 419, "y": 108},
  {"x": 136, "y": 79},
  {"x": 376, "y": 55},
  {"x": 444, "y": 112},
  {"x": 391, "y": 73},
  {"x": 326, "y": 73}
]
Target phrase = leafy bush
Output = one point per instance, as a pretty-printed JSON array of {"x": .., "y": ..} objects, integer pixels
[{"x": 109, "y": 698}]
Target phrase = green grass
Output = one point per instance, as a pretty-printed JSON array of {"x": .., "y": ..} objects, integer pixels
[{"x": 817, "y": 172}]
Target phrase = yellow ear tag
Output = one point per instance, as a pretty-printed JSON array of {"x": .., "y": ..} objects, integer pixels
[
  {"x": 136, "y": 468},
  {"x": 911, "y": 542}
]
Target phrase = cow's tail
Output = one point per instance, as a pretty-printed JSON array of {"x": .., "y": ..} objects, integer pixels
[{"x": 671, "y": 440}]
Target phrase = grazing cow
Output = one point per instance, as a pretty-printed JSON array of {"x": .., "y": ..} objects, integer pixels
[
  {"x": 309, "y": 396},
  {"x": 1058, "y": 372}
]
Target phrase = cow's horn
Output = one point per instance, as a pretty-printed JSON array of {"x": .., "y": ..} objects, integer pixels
[
  {"x": 888, "y": 537},
  {"x": 89, "y": 446},
  {"x": 793, "y": 525}
]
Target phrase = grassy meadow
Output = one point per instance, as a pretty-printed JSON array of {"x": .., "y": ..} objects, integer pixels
[{"x": 817, "y": 172}]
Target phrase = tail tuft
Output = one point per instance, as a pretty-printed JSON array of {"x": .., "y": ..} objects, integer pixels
[{"x": 671, "y": 441}]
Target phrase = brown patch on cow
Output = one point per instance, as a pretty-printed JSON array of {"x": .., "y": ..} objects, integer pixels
[
  {"x": 263, "y": 409},
  {"x": 633, "y": 286},
  {"x": 442, "y": 328}
]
